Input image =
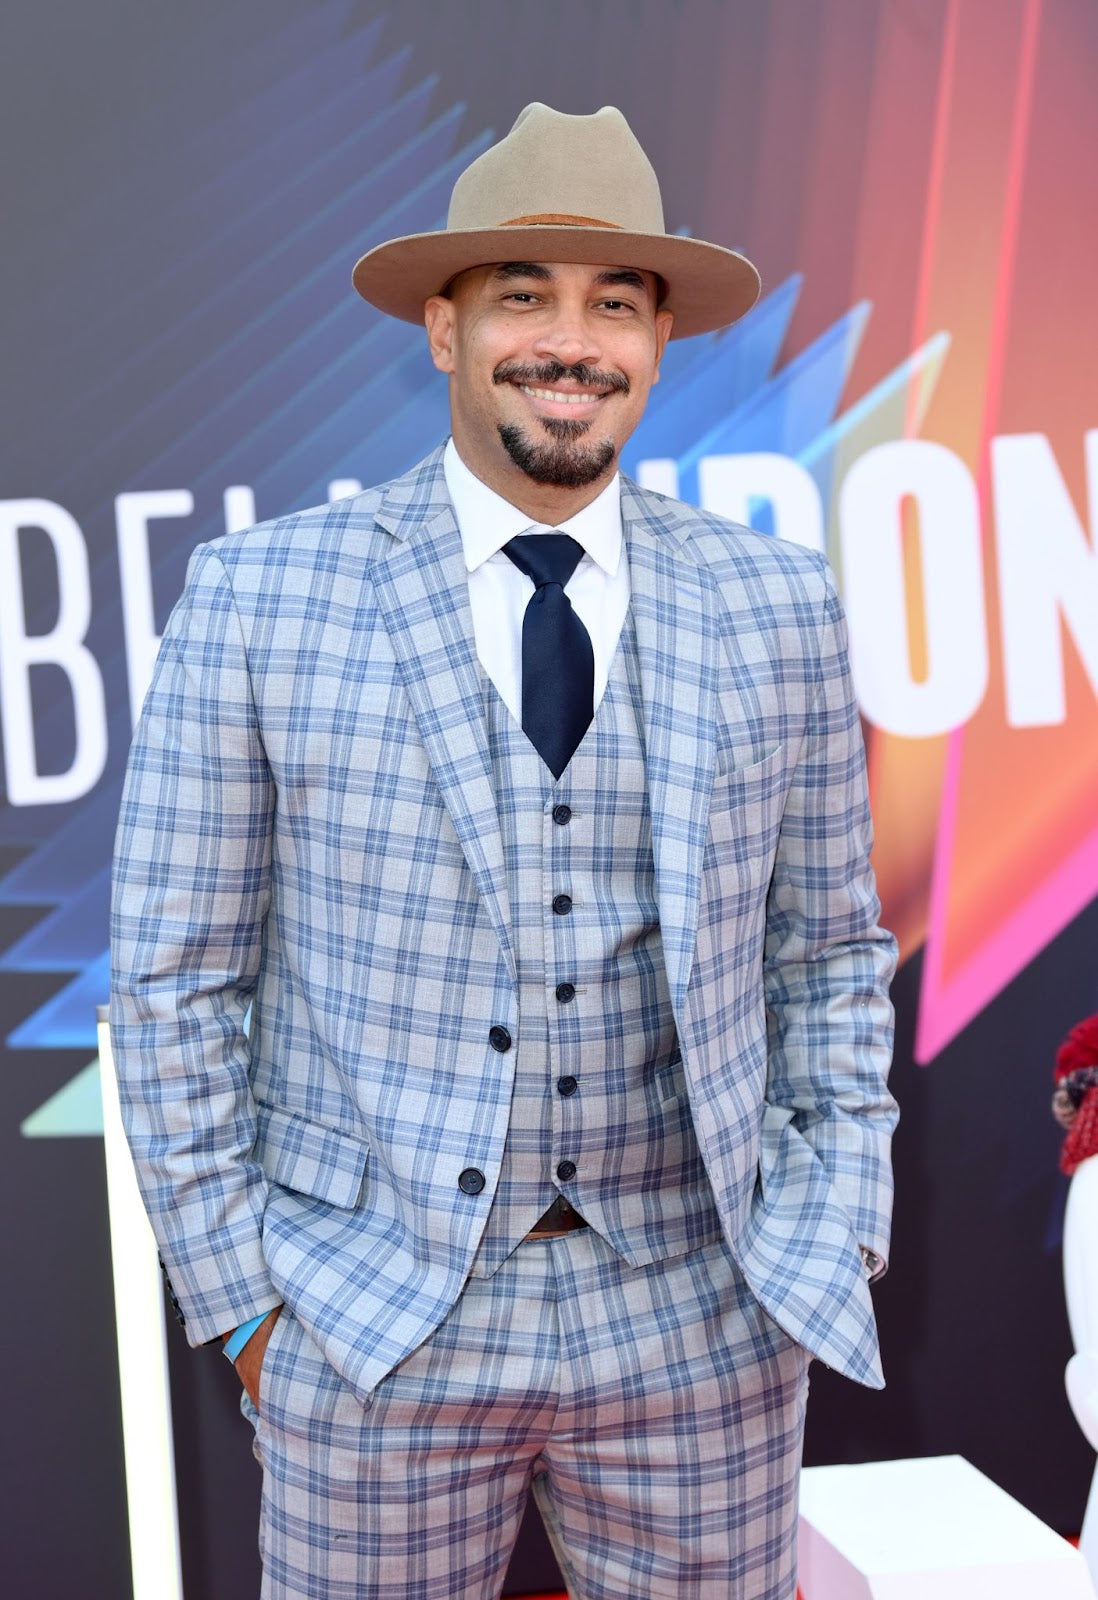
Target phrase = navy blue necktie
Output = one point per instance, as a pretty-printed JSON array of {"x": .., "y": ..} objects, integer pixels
[{"x": 558, "y": 664}]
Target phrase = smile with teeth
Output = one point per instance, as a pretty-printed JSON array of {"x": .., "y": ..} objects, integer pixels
[{"x": 565, "y": 398}]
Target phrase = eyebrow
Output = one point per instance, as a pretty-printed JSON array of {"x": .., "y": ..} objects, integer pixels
[
  {"x": 522, "y": 269},
  {"x": 626, "y": 277}
]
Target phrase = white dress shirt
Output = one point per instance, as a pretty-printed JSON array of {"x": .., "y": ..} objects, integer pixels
[{"x": 499, "y": 592}]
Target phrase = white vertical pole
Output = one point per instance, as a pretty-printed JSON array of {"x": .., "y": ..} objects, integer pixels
[{"x": 142, "y": 1360}]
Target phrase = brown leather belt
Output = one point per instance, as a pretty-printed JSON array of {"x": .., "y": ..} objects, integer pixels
[{"x": 560, "y": 1218}]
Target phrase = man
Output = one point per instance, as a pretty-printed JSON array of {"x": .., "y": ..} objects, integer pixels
[{"x": 525, "y": 811}]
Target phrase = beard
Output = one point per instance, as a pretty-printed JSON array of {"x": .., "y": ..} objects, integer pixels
[
  {"x": 566, "y": 458},
  {"x": 561, "y": 460}
]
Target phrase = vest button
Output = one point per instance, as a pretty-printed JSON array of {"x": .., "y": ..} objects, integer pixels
[
  {"x": 499, "y": 1039},
  {"x": 471, "y": 1181},
  {"x": 565, "y": 992},
  {"x": 561, "y": 815},
  {"x": 562, "y": 904},
  {"x": 567, "y": 1086},
  {"x": 565, "y": 1171}
]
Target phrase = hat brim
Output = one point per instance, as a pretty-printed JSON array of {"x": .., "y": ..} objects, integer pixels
[{"x": 707, "y": 286}]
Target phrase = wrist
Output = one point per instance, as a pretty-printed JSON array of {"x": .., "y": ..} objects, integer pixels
[{"x": 234, "y": 1342}]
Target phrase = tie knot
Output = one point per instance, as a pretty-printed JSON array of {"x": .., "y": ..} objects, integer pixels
[{"x": 545, "y": 557}]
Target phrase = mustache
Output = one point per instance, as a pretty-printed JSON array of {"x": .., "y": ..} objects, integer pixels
[{"x": 546, "y": 374}]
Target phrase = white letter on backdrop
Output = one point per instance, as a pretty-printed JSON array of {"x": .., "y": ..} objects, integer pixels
[
  {"x": 238, "y": 502},
  {"x": 953, "y": 587},
  {"x": 133, "y": 513},
  {"x": 1048, "y": 575},
  {"x": 343, "y": 488},
  {"x": 729, "y": 484},
  {"x": 63, "y": 646},
  {"x": 661, "y": 474}
]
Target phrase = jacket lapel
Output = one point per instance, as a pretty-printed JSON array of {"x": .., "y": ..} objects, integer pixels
[
  {"x": 675, "y": 616},
  {"x": 423, "y": 594},
  {"x": 422, "y": 591}
]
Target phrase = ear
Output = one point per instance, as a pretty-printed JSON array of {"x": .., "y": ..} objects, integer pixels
[
  {"x": 664, "y": 321},
  {"x": 439, "y": 318}
]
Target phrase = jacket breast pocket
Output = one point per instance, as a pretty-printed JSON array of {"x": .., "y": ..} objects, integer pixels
[
  {"x": 745, "y": 812},
  {"x": 745, "y": 823},
  {"x": 297, "y": 1153}
]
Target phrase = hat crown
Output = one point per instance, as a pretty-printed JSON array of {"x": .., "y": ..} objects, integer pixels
[
  {"x": 557, "y": 168},
  {"x": 565, "y": 189}
]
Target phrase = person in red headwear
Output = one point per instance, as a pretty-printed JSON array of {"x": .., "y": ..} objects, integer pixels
[{"x": 1075, "y": 1107}]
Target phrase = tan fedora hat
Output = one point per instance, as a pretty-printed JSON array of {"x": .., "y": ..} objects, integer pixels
[{"x": 562, "y": 188}]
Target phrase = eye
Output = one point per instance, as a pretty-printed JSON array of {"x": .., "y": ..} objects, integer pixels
[
  {"x": 617, "y": 305},
  {"x": 523, "y": 297}
]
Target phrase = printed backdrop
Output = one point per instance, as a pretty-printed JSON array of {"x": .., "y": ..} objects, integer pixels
[{"x": 186, "y": 191}]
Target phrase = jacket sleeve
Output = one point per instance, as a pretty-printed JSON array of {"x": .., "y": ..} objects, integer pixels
[
  {"x": 190, "y": 895},
  {"x": 828, "y": 964}
]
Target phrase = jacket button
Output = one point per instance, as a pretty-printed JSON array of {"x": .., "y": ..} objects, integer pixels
[
  {"x": 561, "y": 815},
  {"x": 565, "y": 992},
  {"x": 567, "y": 1086},
  {"x": 471, "y": 1181},
  {"x": 566, "y": 1170},
  {"x": 562, "y": 904},
  {"x": 499, "y": 1039}
]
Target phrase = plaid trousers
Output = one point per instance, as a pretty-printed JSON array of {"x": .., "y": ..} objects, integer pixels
[{"x": 656, "y": 1411}]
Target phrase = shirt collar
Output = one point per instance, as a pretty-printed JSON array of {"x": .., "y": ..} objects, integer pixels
[{"x": 486, "y": 520}]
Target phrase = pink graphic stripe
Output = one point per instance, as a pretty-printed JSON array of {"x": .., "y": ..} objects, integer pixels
[
  {"x": 939, "y": 148},
  {"x": 944, "y": 1008},
  {"x": 1025, "y": 933}
]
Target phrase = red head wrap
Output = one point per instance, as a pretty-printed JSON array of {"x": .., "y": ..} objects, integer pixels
[{"x": 1075, "y": 1102}]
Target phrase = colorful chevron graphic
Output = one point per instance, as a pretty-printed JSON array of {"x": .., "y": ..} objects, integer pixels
[{"x": 987, "y": 835}]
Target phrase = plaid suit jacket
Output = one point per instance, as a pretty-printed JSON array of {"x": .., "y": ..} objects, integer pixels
[{"x": 311, "y": 932}]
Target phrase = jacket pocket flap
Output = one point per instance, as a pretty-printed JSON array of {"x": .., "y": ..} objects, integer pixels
[{"x": 308, "y": 1157}]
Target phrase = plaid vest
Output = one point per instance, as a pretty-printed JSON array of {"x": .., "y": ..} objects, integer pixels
[{"x": 599, "y": 1110}]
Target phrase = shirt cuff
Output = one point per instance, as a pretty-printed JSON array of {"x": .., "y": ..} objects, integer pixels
[{"x": 239, "y": 1337}]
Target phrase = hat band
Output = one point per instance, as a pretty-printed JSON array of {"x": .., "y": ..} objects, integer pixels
[{"x": 557, "y": 219}]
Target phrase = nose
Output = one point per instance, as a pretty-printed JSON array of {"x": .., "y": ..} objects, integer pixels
[{"x": 569, "y": 335}]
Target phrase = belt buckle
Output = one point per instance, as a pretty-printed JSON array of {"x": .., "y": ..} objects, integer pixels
[{"x": 560, "y": 1218}]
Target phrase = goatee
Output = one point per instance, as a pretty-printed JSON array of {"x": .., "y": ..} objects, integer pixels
[{"x": 561, "y": 461}]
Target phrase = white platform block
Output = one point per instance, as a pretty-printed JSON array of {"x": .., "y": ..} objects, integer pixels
[{"x": 930, "y": 1529}]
